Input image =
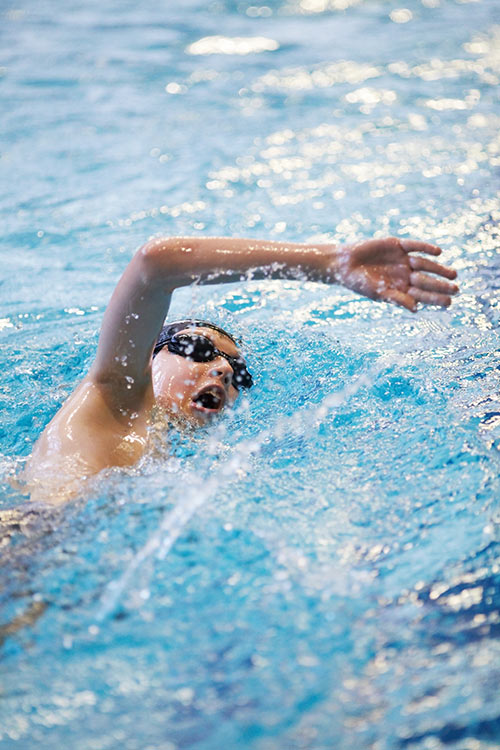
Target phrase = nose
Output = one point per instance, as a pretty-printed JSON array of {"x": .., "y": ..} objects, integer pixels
[{"x": 220, "y": 368}]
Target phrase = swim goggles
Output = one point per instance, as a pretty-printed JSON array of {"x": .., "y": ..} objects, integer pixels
[{"x": 199, "y": 348}]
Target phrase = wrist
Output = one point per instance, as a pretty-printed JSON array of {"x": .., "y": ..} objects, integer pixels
[{"x": 325, "y": 263}]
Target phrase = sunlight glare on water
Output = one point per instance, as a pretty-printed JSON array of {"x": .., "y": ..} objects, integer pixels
[{"x": 319, "y": 570}]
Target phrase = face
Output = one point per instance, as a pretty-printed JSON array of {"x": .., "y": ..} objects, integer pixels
[{"x": 195, "y": 391}]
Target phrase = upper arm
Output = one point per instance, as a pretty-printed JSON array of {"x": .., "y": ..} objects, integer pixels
[{"x": 131, "y": 323}]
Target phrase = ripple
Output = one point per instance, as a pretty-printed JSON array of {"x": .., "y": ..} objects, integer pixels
[
  {"x": 322, "y": 76},
  {"x": 313, "y": 7},
  {"x": 223, "y": 45}
]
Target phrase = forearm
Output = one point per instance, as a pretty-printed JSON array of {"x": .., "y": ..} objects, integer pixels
[{"x": 178, "y": 261}]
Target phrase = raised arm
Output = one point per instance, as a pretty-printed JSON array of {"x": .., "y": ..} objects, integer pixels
[
  {"x": 383, "y": 269},
  {"x": 141, "y": 298}
]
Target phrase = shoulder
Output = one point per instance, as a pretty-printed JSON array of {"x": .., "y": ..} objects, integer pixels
[{"x": 85, "y": 436}]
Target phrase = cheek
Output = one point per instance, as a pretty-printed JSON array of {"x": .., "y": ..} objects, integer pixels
[{"x": 172, "y": 384}]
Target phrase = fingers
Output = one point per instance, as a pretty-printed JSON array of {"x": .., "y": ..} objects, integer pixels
[
  {"x": 431, "y": 284},
  {"x": 429, "y": 298},
  {"x": 402, "y": 299},
  {"x": 416, "y": 246},
  {"x": 424, "y": 288},
  {"x": 424, "y": 264}
]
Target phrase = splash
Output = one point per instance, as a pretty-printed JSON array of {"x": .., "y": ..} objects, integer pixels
[{"x": 175, "y": 521}]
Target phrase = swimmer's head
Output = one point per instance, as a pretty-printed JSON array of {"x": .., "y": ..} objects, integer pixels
[{"x": 198, "y": 370}]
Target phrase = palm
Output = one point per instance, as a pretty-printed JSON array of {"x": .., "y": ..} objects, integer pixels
[{"x": 386, "y": 269}]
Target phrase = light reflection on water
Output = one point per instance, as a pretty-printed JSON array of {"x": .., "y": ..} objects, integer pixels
[{"x": 328, "y": 568}]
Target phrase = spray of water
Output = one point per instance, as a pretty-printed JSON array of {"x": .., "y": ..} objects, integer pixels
[{"x": 199, "y": 493}]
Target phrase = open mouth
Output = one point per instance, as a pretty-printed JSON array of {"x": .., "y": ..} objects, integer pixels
[{"x": 210, "y": 400}]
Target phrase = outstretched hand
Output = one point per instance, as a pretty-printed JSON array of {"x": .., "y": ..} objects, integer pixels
[{"x": 386, "y": 269}]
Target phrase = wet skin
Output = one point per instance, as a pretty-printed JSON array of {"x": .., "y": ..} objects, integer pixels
[
  {"x": 87, "y": 435},
  {"x": 195, "y": 392},
  {"x": 106, "y": 421}
]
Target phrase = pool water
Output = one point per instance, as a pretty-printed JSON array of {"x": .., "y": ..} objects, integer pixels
[{"x": 319, "y": 570}]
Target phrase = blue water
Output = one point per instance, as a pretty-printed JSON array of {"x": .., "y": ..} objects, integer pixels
[{"x": 319, "y": 570}]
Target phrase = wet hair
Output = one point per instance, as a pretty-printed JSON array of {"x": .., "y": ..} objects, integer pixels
[{"x": 169, "y": 329}]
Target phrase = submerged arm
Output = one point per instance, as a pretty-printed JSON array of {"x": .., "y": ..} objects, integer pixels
[{"x": 380, "y": 269}]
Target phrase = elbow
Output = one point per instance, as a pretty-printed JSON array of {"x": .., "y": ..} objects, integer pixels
[
  {"x": 159, "y": 259},
  {"x": 169, "y": 261},
  {"x": 157, "y": 252}
]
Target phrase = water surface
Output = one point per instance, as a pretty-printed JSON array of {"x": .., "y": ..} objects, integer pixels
[{"x": 319, "y": 570}]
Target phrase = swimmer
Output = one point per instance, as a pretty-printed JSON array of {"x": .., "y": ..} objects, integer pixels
[{"x": 192, "y": 370}]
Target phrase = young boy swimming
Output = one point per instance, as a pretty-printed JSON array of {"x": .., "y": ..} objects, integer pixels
[{"x": 193, "y": 369}]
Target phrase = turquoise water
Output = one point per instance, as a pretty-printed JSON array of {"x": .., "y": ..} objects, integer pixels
[{"x": 319, "y": 570}]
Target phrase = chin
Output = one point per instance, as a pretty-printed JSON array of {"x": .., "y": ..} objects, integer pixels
[
  {"x": 191, "y": 414},
  {"x": 188, "y": 420},
  {"x": 200, "y": 418}
]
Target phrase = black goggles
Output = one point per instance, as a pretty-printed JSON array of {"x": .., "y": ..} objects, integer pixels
[{"x": 199, "y": 348}]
